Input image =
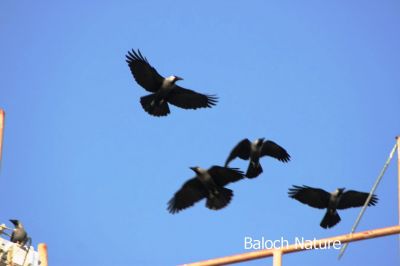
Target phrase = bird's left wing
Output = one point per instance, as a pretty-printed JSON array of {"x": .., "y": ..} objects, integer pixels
[
  {"x": 272, "y": 149},
  {"x": 144, "y": 74},
  {"x": 191, "y": 192},
  {"x": 314, "y": 197},
  {"x": 241, "y": 150},
  {"x": 188, "y": 99},
  {"x": 225, "y": 175},
  {"x": 352, "y": 198}
]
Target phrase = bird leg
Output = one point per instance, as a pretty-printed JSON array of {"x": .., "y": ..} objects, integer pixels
[{"x": 255, "y": 164}]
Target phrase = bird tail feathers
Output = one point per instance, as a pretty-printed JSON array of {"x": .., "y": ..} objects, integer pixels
[
  {"x": 219, "y": 200},
  {"x": 330, "y": 219},
  {"x": 154, "y": 106},
  {"x": 254, "y": 170}
]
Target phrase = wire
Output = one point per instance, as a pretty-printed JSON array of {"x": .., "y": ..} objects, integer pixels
[{"x": 374, "y": 187}]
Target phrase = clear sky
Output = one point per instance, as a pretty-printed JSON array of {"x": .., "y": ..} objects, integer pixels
[{"x": 90, "y": 173}]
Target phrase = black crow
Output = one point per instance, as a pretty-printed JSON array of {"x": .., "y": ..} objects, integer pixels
[
  {"x": 254, "y": 151},
  {"x": 337, "y": 200},
  {"x": 207, "y": 184},
  {"x": 163, "y": 90},
  {"x": 19, "y": 234}
]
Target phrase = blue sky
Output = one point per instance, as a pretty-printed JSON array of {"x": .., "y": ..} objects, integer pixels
[{"x": 90, "y": 173}]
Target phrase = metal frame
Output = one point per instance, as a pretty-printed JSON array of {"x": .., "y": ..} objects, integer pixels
[{"x": 325, "y": 242}]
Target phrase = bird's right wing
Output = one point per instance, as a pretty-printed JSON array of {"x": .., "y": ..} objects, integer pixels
[
  {"x": 191, "y": 192},
  {"x": 144, "y": 74},
  {"x": 188, "y": 99},
  {"x": 225, "y": 175},
  {"x": 352, "y": 198},
  {"x": 241, "y": 150},
  {"x": 272, "y": 149},
  {"x": 314, "y": 197}
]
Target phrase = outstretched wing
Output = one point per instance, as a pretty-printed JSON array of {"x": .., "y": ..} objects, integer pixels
[
  {"x": 144, "y": 74},
  {"x": 191, "y": 192},
  {"x": 188, "y": 99},
  {"x": 272, "y": 149},
  {"x": 352, "y": 198},
  {"x": 225, "y": 175},
  {"x": 314, "y": 197},
  {"x": 241, "y": 150}
]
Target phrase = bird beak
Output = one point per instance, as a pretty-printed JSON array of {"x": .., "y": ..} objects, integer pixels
[
  {"x": 14, "y": 222},
  {"x": 195, "y": 169},
  {"x": 178, "y": 78}
]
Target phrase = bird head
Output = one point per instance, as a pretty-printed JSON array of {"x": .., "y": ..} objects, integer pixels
[
  {"x": 16, "y": 223},
  {"x": 340, "y": 191},
  {"x": 260, "y": 141},
  {"x": 195, "y": 169},
  {"x": 174, "y": 79}
]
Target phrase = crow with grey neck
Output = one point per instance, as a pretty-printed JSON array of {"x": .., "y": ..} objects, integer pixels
[
  {"x": 207, "y": 184},
  {"x": 19, "y": 234},
  {"x": 337, "y": 200},
  {"x": 253, "y": 151},
  {"x": 163, "y": 90}
]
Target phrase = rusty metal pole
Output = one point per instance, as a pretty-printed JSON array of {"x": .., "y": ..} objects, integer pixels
[
  {"x": 42, "y": 249},
  {"x": 317, "y": 244},
  {"x": 2, "y": 115}
]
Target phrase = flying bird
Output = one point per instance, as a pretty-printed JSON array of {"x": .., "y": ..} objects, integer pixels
[
  {"x": 19, "y": 234},
  {"x": 207, "y": 184},
  {"x": 246, "y": 150},
  {"x": 337, "y": 200},
  {"x": 163, "y": 90}
]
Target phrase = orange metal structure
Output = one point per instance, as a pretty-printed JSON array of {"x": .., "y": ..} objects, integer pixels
[
  {"x": 318, "y": 244},
  {"x": 42, "y": 249}
]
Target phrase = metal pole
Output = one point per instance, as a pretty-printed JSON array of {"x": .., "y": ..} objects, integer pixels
[
  {"x": 277, "y": 258},
  {"x": 42, "y": 248},
  {"x": 398, "y": 172},
  {"x": 364, "y": 208},
  {"x": 2, "y": 114},
  {"x": 10, "y": 256},
  {"x": 317, "y": 244},
  {"x": 398, "y": 178}
]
